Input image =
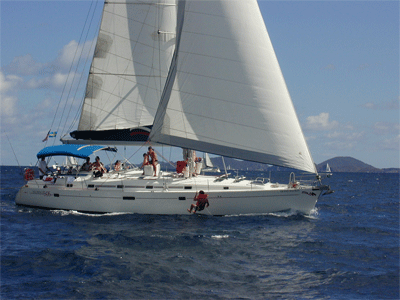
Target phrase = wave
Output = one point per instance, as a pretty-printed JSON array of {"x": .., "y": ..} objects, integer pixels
[
  {"x": 78, "y": 213},
  {"x": 284, "y": 214},
  {"x": 224, "y": 236}
]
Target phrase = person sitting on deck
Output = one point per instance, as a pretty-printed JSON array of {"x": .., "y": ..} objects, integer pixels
[
  {"x": 117, "y": 166},
  {"x": 202, "y": 202},
  {"x": 180, "y": 166},
  {"x": 98, "y": 168},
  {"x": 153, "y": 159},
  {"x": 145, "y": 161},
  {"x": 86, "y": 165}
]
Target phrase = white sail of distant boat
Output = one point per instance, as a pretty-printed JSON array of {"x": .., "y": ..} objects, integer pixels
[
  {"x": 328, "y": 171},
  {"x": 207, "y": 161},
  {"x": 328, "y": 168},
  {"x": 199, "y": 75},
  {"x": 208, "y": 165}
]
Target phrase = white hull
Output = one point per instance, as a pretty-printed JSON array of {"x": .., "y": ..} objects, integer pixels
[{"x": 165, "y": 195}]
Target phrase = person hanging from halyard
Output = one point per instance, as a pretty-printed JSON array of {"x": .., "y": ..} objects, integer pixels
[{"x": 202, "y": 202}]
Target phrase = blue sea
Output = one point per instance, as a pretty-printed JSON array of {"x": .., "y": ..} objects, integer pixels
[{"x": 347, "y": 249}]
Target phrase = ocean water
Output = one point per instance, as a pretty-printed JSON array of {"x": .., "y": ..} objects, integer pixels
[{"x": 347, "y": 249}]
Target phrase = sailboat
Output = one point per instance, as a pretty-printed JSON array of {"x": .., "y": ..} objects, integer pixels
[
  {"x": 208, "y": 165},
  {"x": 328, "y": 170},
  {"x": 200, "y": 75}
]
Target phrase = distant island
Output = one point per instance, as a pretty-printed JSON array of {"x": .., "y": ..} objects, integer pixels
[
  {"x": 337, "y": 164},
  {"x": 350, "y": 164}
]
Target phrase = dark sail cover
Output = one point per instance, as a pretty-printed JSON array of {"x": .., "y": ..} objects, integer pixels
[{"x": 140, "y": 134}]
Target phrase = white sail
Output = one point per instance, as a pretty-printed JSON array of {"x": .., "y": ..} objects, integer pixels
[
  {"x": 207, "y": 161},
  {"x": 225, "y": 93},
  {"x": 131, "y": 61},
  {"x": 328, "y": 168}
]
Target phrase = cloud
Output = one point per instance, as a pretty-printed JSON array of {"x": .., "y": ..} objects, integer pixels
[
  {"x": 8, "y": 106},
  {"x": 347, "y": 136},
  {"x": 320, "y": 122},
  {"x": 68, "y": 56},
  {"x": 30, "y": 94},
  {"x": 38, "y": 83},
  {"x": 344, "y": 140},
  {"x": 340, "y": 145},
  {"x": 24, "y": 66},
  {"x": 329, "y": 67},
  {"x": 369, "y": 105},
  {"x": 391, "y": 143},
  {"x": 334, "y": 137},
  {"x": 55, "y": 82},
  {"x": 363, "y": 66},
  {"x": 44, "y": 82},
  {"x": 9, "y": 82},
  {"x": 72, "y": 52},
  {"x": 385, "y": 128},
  {"x": 24, "y": 72},
  {"x": 384, "y": 105}
]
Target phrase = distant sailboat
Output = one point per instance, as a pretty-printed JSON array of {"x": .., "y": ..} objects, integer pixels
[
  {"x": 208, "y": 165},
  {"x": 328, "y": 168},
  {"x": 199, "y": 75}
]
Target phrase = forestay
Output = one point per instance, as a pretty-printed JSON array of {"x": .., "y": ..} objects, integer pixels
[{"x": 225, "y": 93}]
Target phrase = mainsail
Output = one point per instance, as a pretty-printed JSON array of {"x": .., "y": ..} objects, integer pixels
[
  {"x": 134, "y": 49},
  {"x": 225, "y": 93}
]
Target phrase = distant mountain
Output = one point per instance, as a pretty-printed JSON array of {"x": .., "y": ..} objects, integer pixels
[
  {"x": 337, "y": 164},
  {"x": 350, "y": 164}
]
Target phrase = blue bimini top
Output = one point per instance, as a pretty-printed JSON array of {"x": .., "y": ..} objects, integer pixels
[{"x": 81, "y": 151}]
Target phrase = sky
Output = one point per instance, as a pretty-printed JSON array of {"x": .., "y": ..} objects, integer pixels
[{"x": 340, "y": 60}]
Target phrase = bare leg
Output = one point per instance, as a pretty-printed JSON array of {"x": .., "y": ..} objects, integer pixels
[
  {"x": 155, "y": 168},
  {"x": 191, "y": 207}
]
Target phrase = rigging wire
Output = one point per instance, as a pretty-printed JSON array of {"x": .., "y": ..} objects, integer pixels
[
  {"x": 165, "y": 158},
  {"x": 91, "y": 49},
  {"x": 12, "y": 149},
  {"x": 78, "y": 62},
  {"x": 69, "y": 72}
]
